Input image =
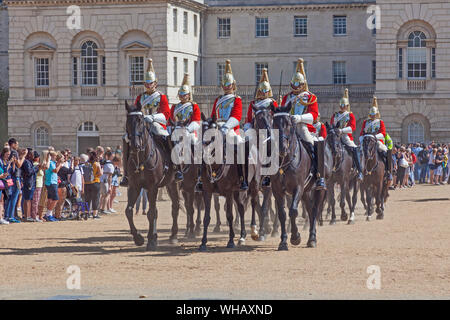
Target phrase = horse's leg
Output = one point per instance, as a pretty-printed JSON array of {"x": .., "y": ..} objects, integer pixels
[
  {"x": 344, "y": 195},
  {"x": 306, "y": 208},
  {"x": 288, "y": 225},
  {"x": 318, "y": 199},
  {"x": 185, "y": 201},
  {"x": 236, "y": 219},
  {"x": 206, "y": 219},
  {"x": 133, "y": 194},
  {"x": 332, "y": 199},
  {"x": 241, "y": 210},
  {"x": 279, "y": 200},
  {"x": 293, "y": 213},
  {"x": 276, "y": 220},
  {"x": 351, "y": 220},
  {"x": 198, "y": 220},
  {"x": 217, "y": 209},
  {"x": 363, "y": 194},
  {"x": 174, "y": 194},
  {"x": 229, "y": 213},
  {"x": 368, "y": 192},
  {"x": 379, "y": 200},
  {"x": 189, "y": 204},
  {"x": 152, "y": 216},
  {"x": 264, "y": 225},
  {"x": 254, "y": 202}
]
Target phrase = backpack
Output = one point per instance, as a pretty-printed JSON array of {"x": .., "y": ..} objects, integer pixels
[{"x": 88, "y": 172}]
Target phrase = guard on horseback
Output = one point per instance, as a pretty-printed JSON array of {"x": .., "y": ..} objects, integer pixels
[
  {"x": 345, "y": 122},
  {"x": 263, "y": 99},
  {"x": 156, "y": 111},
  {"x": 321, "y": 130},
  {"x": 185, "y": 110},
  {"x": 305, "y": 110},
  {"x": 375, "y": 126},
  {"x": 228, "y": 111}
]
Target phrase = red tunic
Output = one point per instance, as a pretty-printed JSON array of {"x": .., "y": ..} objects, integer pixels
[
  {"x": 382, "y": 130},
  {"x": 236, "y": 111},
  {"x": 163, "y": 106},
  {"x": 312, "y": 107},
  {"x": 351, "y": 123},
  {"x": 323, "y": 131},
  {"x": 250, "y": 112},
  {"x": 195, "y": 116}
]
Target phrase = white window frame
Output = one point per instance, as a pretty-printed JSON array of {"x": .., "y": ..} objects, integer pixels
[
  {"x": 303, "y": 27},
  {"x": 259, "y": 66},
  {"x": 414, "y": 136},
  {"x": 37, "y": 73},
  {"x": 340, "y": 25},
  {"x": 223, "y": 28},
  {"x": 339, "y": 72},
  {"x": 85, "y": 78},
  {"x": 195, "y": 25},
  {"x": 175, "y": 20},
  {"x": 416, "y": 57},
  {"x": 38, "y": 137},
  {"x": 185, "y": 22},
  {"x": 175, "y": 71},
  {"x": 185, "y": 65},
  {"x": 136, "y": 70},
  {"x": 220, "y": 72},
  {"x": 262, "y": 26}
]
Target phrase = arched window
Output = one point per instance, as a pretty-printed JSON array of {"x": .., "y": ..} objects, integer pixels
[
  {"x": 89, "y": 63},
  {"x": 417, "y": 55},
  {"x": 88, "y": 127},
  {"x": 416, "y": 132},
  {"x": 41, "y": 137}
]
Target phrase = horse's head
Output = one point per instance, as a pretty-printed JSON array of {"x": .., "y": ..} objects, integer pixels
[
  {"x": 282, "y": 122},
  {"x": 262, "y": 118},
  {"x": 179, "y": 124},
  {"x": 333, "y": 140},
  {"x": 135, "y": 126},
  {"x": 369, "y": 146}
]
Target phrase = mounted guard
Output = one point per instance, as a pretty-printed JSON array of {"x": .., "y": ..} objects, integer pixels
[
  {"x": 321, "y": 130},
  {"x": 375, "y": 126},
  {"x": 228, "y": 111},
  {"x": 155, "y": 107},
  {"x": 304, "y": 110},
  {"x": 263, "y": 99},
  {"x": 345, "y": 122}
]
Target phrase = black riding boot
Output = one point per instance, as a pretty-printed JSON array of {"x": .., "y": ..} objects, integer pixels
[
  {"x": 199, "y": 185},
  {"x": 320, "y": 165},
  {"x": 242, "y": 177},
  {"x": 178, "y": 174},
  {"x": 388, "y": 164},
  {"x": 266, "y": 181},
  {"x": 357, "y": 163},
  {"x": 124, "y": 181}
]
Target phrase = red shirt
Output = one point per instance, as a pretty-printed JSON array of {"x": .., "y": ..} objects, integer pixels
[
  {"x": 250, "y": 112},
  {"x": 163, "y": 106},
  {"x": 236, "y": 111},
  {"x": 413, "y": 157},
  {"x": 351, "y": 123},
  {"x": 312, "y": 107}
]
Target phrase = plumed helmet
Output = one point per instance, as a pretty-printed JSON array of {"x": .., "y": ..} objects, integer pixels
[
  {"x": 264, "y": 84},
  {"x": 374, "y": 111},
  {"x": 299, "y": 76},
  {"x": 185, "y": 87},
  {"x": 150, "y": 75},
  {"x": 228, "y": 77},
  {"x": 345, "y": 101}
]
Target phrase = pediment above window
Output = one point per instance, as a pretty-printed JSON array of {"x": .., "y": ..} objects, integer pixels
[
  {"x": 136, "y": 46},
  {"x": 42, "y": 48}
]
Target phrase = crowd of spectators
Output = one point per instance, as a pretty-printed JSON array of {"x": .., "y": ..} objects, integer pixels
[
  {"x": 38, "y": 187},
  {"x": 420, "y": 163}
]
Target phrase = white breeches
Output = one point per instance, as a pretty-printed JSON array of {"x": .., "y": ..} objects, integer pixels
[
  {"x": 303, "y": 132},
  {"x": 346, "y": 140}
]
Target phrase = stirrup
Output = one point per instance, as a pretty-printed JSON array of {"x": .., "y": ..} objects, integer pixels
[
  {"x": 266, "y": 182},
  {"x": 320, "y": 184},
  {"x": 360, "y": 176},
  {"x": 243, "y": 186},
  {"x": 179, "y": 176},
  {"x": 124, "y": 182}
]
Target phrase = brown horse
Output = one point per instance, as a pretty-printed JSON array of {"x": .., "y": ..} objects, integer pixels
[
  {"x": 342, "y": 174},
  {"x": 148, "y": 168},
  {"x": 374, "y": 184},
  {"x": 294, "y": 178},
  {"x": 223, "y": 179}
]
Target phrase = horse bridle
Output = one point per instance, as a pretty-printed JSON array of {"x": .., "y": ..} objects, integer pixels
[
  {"x": 372, "y": 154},
  {"x": 283, "y": 136},
  {"x": 334, "y": 153},
  {"x": 140, "y": 147}
]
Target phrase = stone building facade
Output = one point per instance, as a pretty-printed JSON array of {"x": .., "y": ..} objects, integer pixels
[
  {"x": 4, "y": 24},
  {"x": 68, "y": 87},
  {"x": 413, "y": 68}
]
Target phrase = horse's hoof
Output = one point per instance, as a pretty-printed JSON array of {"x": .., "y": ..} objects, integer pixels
[
  {"x": 283, "y": 246},
  {"x": 216, "y": 229},
  {"x": 139, "y": 240},
  {"x": 344, "y": 217},
  {"x": 311, "y": 244},
  {"x": 332, "y": 222},
  {"x": 275, "y": 234},
  {"x": 380, "y": 217},
  {"x": 173, "y": 240},
  {"x": 321, "y": 223},
  {"x": 202, "y": 248},
  {"x": 198, "y": 233},
  {"x": 230, "y": 245},
  {"x": 296, "y": 240},
  {"x": 241, "y": 242},
  {"x": 191, "y": 235},
  {"x": 368, "y": 218},
  {"x": 262, "y": 238},
  {"x": 152, "y": 245},
  {"x": 351, "y": 222}
]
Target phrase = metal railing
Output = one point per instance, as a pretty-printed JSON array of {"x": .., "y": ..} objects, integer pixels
[
  {"x": 88, "y": 91},
  {"x": 417, "y": 85}
]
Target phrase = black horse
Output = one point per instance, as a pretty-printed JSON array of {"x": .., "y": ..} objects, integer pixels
[
  {"x": 294, "y": 178},
  {"x": 149, "y": 167}
]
